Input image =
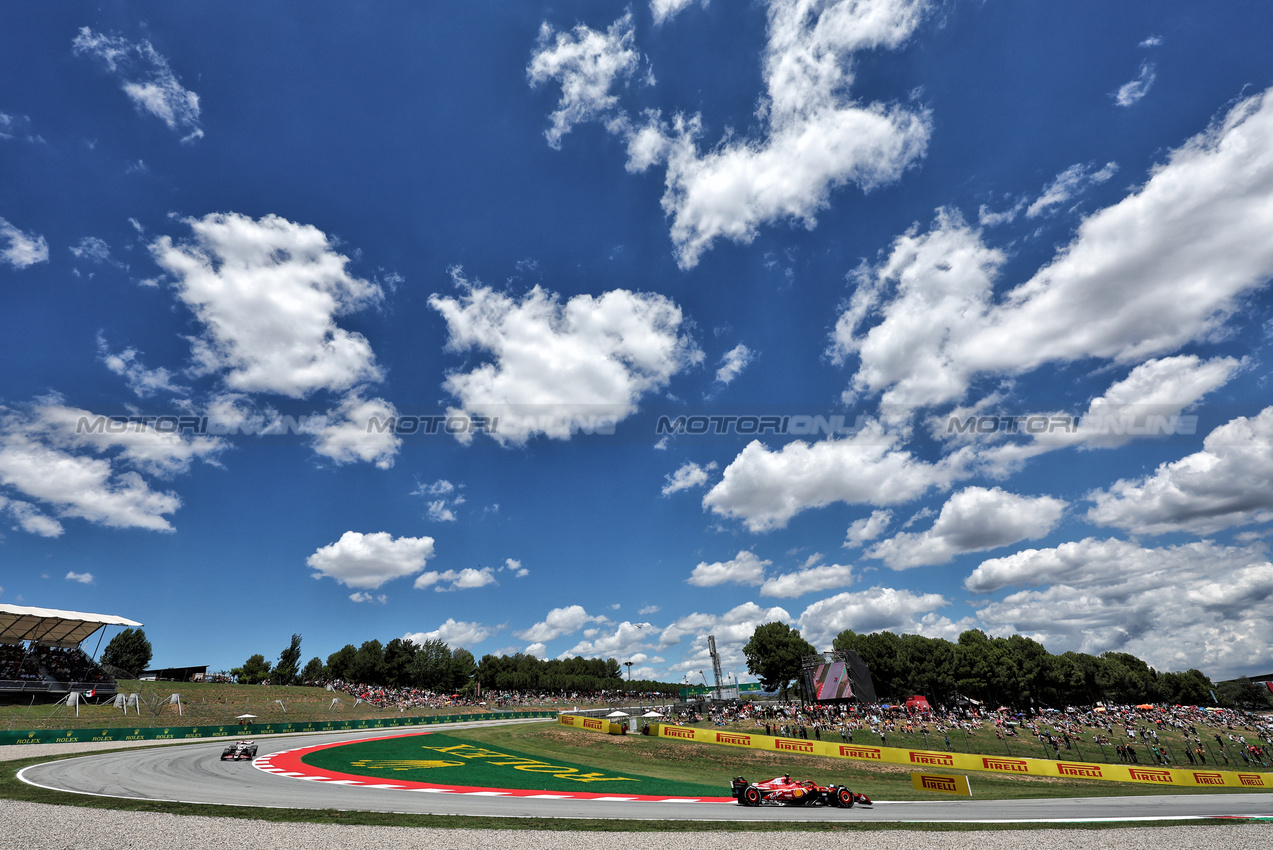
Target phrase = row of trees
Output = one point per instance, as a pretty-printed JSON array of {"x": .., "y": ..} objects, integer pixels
[
  {"x": 1015, "y": 671},
  {"x": 560, "y": 675},
  {"x": 432, "y": 665}
]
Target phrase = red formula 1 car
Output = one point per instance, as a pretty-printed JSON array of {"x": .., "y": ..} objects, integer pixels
[
  {"x": 239, "y": 751},
  {"x": 784, "y": 791}
]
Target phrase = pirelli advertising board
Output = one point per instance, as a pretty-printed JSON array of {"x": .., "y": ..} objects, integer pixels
[
  {"x": 591, "y": 724},
  {"x": 941, "y": 783},
  {"x": 928, "y": 761}
]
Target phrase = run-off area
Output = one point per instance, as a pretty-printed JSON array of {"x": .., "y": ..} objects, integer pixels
[{"x": 434, "y": 761}]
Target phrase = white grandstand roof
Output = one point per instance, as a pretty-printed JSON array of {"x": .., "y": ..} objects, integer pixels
[{"x": 49, "y": 626}]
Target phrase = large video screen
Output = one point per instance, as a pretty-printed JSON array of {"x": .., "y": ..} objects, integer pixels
[{"x": 831, "y": 682}]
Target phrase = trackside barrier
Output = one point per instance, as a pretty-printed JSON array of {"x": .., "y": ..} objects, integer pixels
[
  {"x": 126, "y": 733},
  {"x": 592, "y": 724},
  {"x": 928, "y": 760}
]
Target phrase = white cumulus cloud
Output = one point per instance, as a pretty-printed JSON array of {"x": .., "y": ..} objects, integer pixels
[
  {"x": 743, "y": 568},
  {"x": 267, "y": 293},
  {"x": 868, "y": 528},
  {"x": 454, "y": 633},
  {"x": 812, "y": 578},
  {"x": 1193, "y": 605},
  {"x": 626, "y": 642},
  {"x": 558, "y": 622},
  {"x": 30, "y": 519},
  {"x": 816, "y": 137},
  {"x": 465, "y": 579},
  {"x": 367, "y": 561},
  {"x": 765, "y": 488},
  {"x": 1229, "y": 483},
  {"x": 349, "y": 433},
  {"x": 1167, "y": 265},
  {"x": 68, "y": 459},
  {"x": 689, "y": 475},
  {"x": 587, "y": 63},
  {"x": 1148, "y": 403},
  {"x": 559, "y": 368},
  {"x": 872, "y": 610},
  {"x": 973, "y": 520}
]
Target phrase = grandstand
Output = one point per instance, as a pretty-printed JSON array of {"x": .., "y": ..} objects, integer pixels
[{"x": 41, "y": 655}]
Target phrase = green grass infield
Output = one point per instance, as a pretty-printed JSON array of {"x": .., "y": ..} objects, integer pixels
[{"x": 457, "y": 761}]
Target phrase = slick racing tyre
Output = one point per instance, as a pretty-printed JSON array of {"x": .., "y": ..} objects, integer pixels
[
  {"x": 751, "y": 796},
  {"x": 844, "y": 798}
]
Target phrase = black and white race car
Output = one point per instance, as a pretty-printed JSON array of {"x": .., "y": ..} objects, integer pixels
[{"x": 239, "y": 751}]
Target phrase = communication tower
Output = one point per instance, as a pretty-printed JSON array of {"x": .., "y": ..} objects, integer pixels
[{"x": 711, "y": 647}]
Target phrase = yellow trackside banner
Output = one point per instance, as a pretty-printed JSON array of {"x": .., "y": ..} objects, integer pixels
[
  {"x": 932, "y": 760},
  {"x": 942, "y": 783},
  {"x": 592, "y": 724}
]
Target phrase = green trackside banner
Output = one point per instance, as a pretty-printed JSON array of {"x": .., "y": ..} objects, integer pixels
[{"x": 166, "y": 733}]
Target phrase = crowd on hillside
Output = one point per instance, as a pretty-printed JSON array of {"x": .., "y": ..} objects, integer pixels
[
  {"x": 1212, "y": 736},
  {"x": 405, "y": 698}
]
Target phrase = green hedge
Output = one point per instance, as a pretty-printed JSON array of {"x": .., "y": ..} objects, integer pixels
[{"x": 156, "y": 733}]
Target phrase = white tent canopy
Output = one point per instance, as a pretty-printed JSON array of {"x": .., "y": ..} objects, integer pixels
[{"x": 51, "y": 627}]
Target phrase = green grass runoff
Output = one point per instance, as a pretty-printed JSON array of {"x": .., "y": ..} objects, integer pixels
[{"x": 457, "y": 759}]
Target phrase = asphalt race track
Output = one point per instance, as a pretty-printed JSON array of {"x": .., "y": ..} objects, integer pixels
[{"x": 194, "y": 773}]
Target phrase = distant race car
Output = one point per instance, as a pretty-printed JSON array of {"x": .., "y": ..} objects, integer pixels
[
  {"x": 783, "y": 791},
  {"x": 239, "y": 751}
]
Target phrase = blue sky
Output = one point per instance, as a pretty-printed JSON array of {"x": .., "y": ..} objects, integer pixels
[{"x": 599, "y": 328}]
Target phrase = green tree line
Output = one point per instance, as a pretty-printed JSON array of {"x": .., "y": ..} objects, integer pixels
[
  {"x": 1017, "y": 671},
  {"x": 433, "y": 665},
  {"x": 1014, "y": 671},
  {"x": 560, "y": 675}
]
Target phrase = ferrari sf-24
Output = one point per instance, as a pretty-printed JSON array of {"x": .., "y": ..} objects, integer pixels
[{"x": 784, "y": 791}]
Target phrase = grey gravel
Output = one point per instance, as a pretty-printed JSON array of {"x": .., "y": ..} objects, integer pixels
[{"x": 38, "y": 826}]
